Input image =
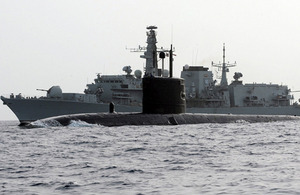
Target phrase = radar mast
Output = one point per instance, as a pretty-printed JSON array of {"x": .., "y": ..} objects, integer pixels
[
  {"x": 150, "y": 54},
  {"x": 225, "y": 68}
]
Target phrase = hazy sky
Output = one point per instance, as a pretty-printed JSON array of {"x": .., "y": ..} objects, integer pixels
[{"x": 66, "y": 42}]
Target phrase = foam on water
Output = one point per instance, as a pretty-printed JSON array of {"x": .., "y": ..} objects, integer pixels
[
  {"x": 55, "y": 123},
  {"x": 79, "y": 123},
  {"x": 241, "y": 121},
  {"x": 44, "y": 124}
]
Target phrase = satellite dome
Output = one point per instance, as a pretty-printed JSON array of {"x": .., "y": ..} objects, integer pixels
[
  {"x": 186, "y": 66},
  {"x": 138, "y": 74},
  {"x": 55, "y": 92}
]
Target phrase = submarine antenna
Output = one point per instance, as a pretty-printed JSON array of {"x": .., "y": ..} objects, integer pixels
[
  {"x": 172, "y": 34},
  {"x": 171, "y": 62}
]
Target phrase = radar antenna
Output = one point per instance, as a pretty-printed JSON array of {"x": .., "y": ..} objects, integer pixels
[
  {"x": 225, "y": 68},
  {"x": 150, "y": 52}
]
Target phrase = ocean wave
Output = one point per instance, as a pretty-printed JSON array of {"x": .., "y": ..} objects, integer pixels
[{"x": 67, "y": 186}]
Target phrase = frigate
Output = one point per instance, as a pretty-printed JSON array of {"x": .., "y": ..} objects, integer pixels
[{"x": 203, "y": 94}]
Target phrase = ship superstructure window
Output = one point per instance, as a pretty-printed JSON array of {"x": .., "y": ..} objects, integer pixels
[
  {"x": 206, "y": 81},
  {"x": 124, "y": 86}
]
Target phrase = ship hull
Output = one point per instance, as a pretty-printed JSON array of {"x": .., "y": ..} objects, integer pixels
[
  {"x": 284, "y": 110},
  {"x": 28, "y": 110}
]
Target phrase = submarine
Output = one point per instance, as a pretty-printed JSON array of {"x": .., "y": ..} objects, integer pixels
[{"x": 164, "y": 100}]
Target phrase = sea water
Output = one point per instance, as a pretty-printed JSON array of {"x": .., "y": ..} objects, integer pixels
[{"x": 234, "y": 158}]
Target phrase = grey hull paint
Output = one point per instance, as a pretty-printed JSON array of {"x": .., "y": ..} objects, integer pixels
[
  {"x": 28, "y": 110},
  {"x": 285, "y": 110}
]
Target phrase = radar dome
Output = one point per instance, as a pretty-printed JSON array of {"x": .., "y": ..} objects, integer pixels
[
  {"x": 186, "y": 66},
  {"x": 55, "y": 92},
  {"x": 138, "y": 74}
]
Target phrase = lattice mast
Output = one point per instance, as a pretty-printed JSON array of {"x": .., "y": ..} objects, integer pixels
[{"x": 225, "y": 68}]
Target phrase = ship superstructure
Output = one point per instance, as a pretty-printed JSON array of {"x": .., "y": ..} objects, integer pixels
[
  {"x": 204, "y": 92},
  {"x": 120, "y": 89},
  {"x": 201, "y": 89}
]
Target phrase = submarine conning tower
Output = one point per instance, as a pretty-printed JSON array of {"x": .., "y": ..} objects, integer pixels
[{"x": 161, "y": 95}]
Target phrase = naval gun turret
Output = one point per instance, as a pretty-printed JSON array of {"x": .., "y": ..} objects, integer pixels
[{"x": 53, "y": 92}]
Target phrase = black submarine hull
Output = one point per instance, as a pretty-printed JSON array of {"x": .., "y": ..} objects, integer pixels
[{"x": 121, "y": 119}]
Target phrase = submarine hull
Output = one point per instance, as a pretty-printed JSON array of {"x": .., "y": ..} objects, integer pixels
[{"x": 121, "y": 119}]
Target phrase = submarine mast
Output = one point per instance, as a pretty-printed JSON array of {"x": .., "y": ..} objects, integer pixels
[{"x": 225, "y": 68}]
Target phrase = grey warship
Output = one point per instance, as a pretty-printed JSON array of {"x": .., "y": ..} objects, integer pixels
[{"x": 203, "y": 93}]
